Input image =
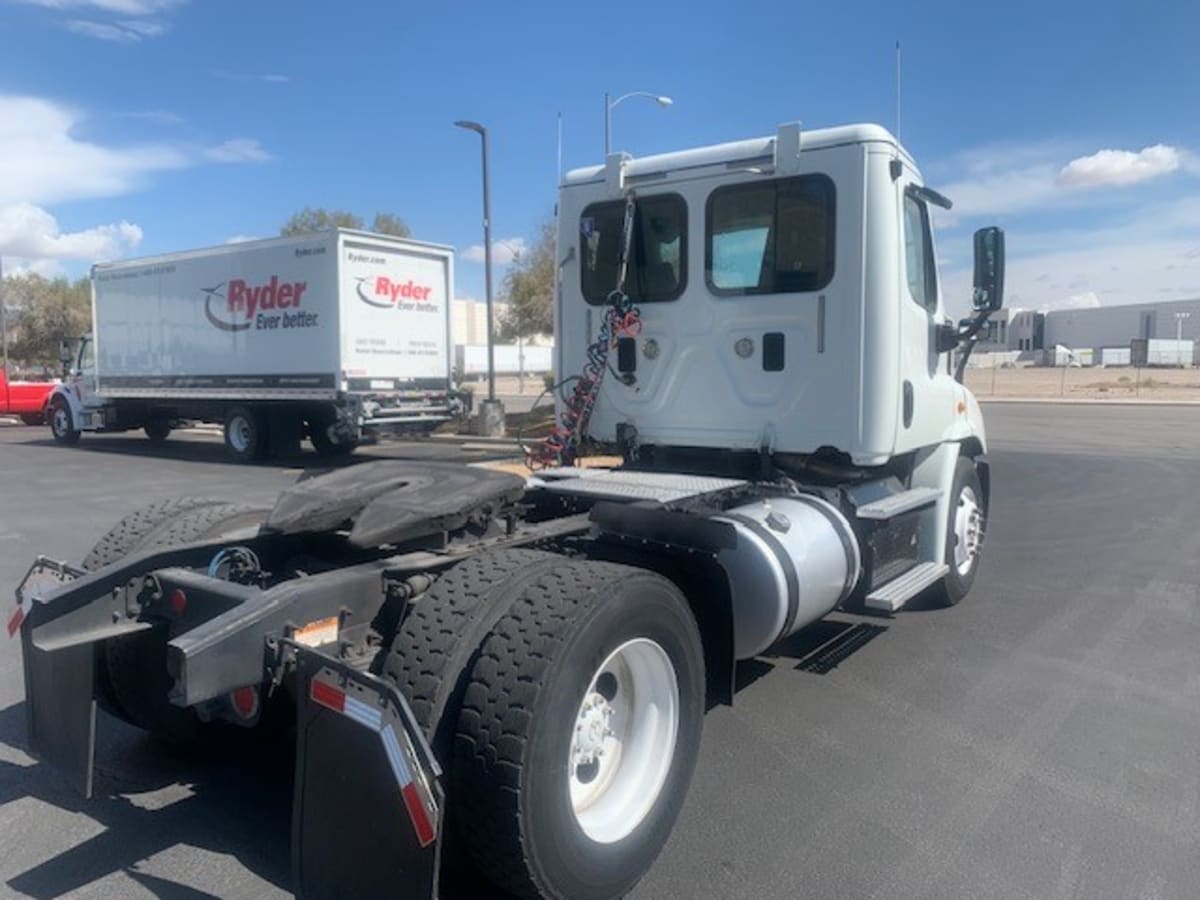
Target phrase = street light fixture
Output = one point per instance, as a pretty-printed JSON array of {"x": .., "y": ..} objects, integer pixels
[
  {"x": 491, "y": 413},
  {"x": 660, "y": 99}
]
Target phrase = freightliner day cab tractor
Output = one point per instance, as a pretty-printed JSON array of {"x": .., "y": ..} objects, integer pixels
[
  {"x": 510, "y": 673},
  {"x": 335, "y": 336}
]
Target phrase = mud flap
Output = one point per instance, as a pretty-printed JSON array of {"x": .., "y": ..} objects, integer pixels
[
  {"x": 60, "y": 711},
  {"x": 367, "y": 816}
]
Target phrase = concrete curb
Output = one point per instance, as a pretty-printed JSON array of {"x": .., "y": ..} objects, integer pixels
[{"x": 1087, "y": 401}]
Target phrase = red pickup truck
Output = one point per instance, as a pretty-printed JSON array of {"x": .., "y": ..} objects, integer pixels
[{"x": 25, "y": 399}]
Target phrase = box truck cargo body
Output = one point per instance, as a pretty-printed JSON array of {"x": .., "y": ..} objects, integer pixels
[
  {"x": 337, "y": 335},
  {"x": 1161, "y": 352}
]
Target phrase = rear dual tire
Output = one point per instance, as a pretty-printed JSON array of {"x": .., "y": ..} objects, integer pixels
[
  {"x": 132, "y": 681},
  {"x": 567, "y": 697},
  {"x": 245, "y": 434}
]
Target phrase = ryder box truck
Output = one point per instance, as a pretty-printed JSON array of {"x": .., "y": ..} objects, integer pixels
[{"x": 335, "y": 336}]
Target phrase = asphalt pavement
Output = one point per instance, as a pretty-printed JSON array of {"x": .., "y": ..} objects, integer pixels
[{"x": 1037, "y": 741}]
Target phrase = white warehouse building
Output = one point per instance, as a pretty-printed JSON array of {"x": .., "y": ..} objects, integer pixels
[{"x": 1116, "y": 326}]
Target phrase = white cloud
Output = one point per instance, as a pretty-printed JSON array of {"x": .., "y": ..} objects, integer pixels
[
  {"x": 131, "y": 32},
  {"x": 238, "y": 150},
  {"x": 119, "y": 7},
  {"x": 43, "y": 161},
  {"x": 157, "y": 116},
  {"x": 1120, "y": 167},
  {"x": 1007, "y": 179},
  {"x": 47, "y": 268},
  {"x": 504, "y": 251},
  {"x": 270, "y": 77},
  {"x": 31, "y": 232}
]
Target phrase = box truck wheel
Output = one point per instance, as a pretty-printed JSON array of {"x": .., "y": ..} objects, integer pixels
[
  {"x": 325, "y": 445},
  {"x": 579, "y": 732},
  {"x": 964, "y": 532},
  {"x": 62, "y": 423},
  {"x": 245, "y": 434},
  {"x": 158, "y": 429}
]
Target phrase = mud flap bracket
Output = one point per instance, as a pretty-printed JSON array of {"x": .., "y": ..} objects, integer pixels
[{"x": 367, "y": 816}]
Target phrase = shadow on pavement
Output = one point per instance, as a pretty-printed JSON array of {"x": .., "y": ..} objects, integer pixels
[
  {"x": 205, "y": 450},
  {"x": 151, "y": 797}
]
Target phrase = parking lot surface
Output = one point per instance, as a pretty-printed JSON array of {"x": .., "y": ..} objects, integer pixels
[{"x": 1037, "y": 741}]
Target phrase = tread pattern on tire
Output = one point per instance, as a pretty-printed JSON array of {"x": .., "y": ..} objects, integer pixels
[
  {"x": 497, "y": 712},
  {"x": 430, "y": 640},
  {"x": 124, "y": 537}
]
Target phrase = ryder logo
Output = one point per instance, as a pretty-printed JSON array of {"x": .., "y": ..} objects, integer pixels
[
  {"x": 381, "y": 291},
  {"x": 238, "y": 305}
]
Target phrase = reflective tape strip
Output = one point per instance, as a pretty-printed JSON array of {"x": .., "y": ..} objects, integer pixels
[
  {"x": 395, "y": 756},
  {"x": 327, "y": 695},
  {"x": 18, "y": 616},
  {"x": 371, "y": 717},
  {"x": 418, "y": 815}
]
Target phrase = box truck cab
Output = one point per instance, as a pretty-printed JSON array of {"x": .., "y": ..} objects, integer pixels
[{"x": 335, "y": 336}]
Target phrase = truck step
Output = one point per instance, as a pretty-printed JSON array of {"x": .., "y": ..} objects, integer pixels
[
  {"x": 893, "y": 595},
  {"x": 895, "y": 504}
]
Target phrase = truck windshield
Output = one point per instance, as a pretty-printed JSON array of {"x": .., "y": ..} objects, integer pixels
[{"x": 658, "y": 264}]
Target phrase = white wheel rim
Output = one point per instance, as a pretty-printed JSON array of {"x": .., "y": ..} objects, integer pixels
[
  {"x": 61, "y": 424},
  {"x": 623, "y": 740},
  {"x": 968, "y": 531},
  {"x": 239, "y": 434}
]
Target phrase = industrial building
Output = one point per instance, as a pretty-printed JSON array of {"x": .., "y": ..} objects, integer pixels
[{"x": 1093, "y": 328}]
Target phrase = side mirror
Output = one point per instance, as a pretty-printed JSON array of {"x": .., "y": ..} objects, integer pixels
[
  {"x": 989, "y": 269},
  {"x": 66, "y": 351}
]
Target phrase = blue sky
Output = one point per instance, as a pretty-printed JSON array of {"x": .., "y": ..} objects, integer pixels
[{"x": 133, "y": 127}]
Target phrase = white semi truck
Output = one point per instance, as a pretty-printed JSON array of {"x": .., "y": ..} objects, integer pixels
[
  {"x": 337, "y": 336},
  {"x": 523, "y": 663}
]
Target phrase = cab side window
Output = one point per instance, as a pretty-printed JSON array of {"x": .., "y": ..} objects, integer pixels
[{"x": 918, "y": 253}]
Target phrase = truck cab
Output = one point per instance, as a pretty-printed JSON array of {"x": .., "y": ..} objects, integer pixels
[{"x": 787, "y": 293}]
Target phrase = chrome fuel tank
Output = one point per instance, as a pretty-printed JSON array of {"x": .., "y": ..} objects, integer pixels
[{"x": 795, "y": 560}]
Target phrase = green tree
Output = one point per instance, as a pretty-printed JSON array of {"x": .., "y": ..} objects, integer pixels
[
  {"x": 387, "y": 223},
  {"x": 48, "y": 311},
  {"x": 311, "y": 219},
  {"x": 529, "y": 289}
]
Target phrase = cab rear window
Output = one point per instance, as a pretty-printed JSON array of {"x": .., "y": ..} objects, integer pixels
[
  {"x": 658, "y": 251},
  {"x": 771, "y": 237}
]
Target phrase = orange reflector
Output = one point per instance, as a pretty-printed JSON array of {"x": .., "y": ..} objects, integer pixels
[
  {"x": 962, "y": 407},
  {"x": 245, "y": 701}
]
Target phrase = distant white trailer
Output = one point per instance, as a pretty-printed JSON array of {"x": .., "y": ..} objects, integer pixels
[
  {"x": 1114, "y": 356},
  {"x": 471, "y": 359},
  {"x": 1161, "y": 352}
]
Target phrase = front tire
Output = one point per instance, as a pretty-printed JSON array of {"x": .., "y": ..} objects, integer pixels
[
  {"x": 964, "y": 532},
  {"x": 62, "y": 423},
  {"x": 579, "y": 732}
]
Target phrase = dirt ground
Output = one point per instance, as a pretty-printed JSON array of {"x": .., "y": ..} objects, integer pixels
[{"x": 1092, "y": 383}]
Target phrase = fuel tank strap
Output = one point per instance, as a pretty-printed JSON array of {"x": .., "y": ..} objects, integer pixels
[{"x": 785, "y": 563}]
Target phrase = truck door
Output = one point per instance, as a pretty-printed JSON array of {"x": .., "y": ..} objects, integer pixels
[
  {"x": 927, "y": 388},
  {"x": 83, "y": 378}
]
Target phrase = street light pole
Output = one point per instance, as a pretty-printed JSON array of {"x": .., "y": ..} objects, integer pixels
[
  {"x": 3, "y": 323},
  {"x": 660, "y": 99},
  {"x": 492, "y": 408}
]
